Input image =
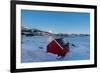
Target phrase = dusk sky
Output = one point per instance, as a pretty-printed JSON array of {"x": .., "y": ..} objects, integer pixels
[{"x": 57, "y": 22}]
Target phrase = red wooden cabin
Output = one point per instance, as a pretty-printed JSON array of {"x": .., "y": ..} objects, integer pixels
[{"x": 58, "y": 47}]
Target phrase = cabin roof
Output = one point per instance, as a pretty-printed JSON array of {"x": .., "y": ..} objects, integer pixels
[{"x": 60, "y": 41}]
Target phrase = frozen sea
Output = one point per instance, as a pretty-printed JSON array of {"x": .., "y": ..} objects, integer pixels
[{"x": 33, "y": 49}]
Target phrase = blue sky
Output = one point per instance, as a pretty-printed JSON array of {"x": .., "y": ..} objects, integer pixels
[{"x": 57, "y": 22}]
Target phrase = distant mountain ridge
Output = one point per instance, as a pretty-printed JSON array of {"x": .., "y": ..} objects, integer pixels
[{"x": 34, "y": 31}]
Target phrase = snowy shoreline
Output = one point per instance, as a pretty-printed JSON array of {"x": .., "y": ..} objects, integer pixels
[{"x": 33, "y": 49}]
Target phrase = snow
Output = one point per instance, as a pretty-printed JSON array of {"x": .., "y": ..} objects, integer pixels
[{"x": 33, "y": 49}]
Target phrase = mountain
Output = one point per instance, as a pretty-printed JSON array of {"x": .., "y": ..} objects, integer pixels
[{"x": 33, "y": 32}]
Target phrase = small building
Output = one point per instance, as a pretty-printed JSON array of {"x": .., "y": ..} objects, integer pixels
[{"x": 57, "y": 46}]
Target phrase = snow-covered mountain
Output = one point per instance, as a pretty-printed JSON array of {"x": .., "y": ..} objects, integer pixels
[{"x": 33, "y": 31}]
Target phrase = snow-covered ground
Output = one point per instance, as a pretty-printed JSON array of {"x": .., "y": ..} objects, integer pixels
[{"x": 33, "y": 49}]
